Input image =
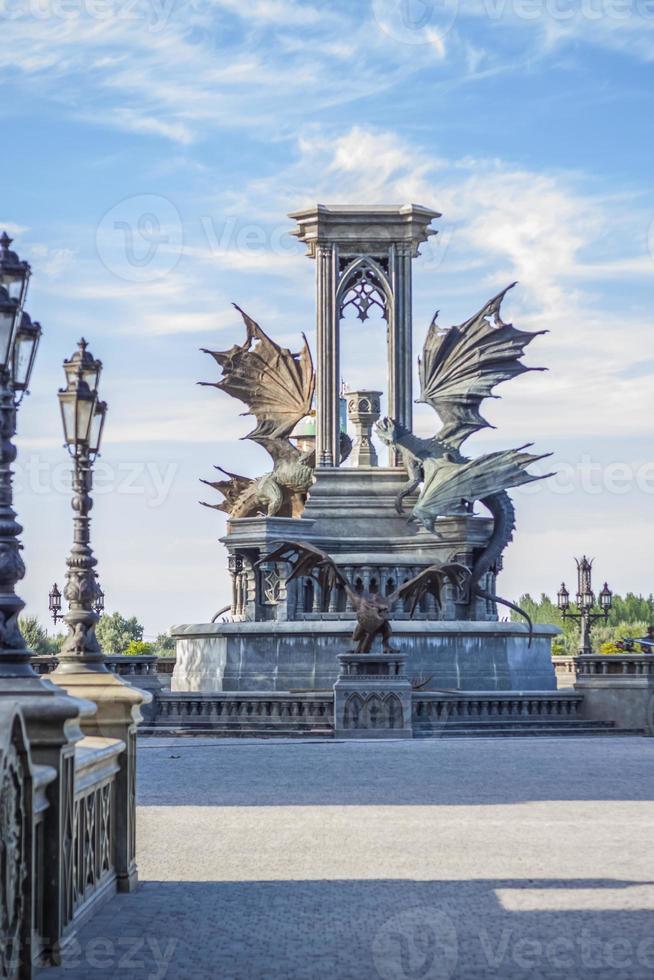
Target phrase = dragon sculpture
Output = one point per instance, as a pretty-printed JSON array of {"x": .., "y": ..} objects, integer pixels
[
  {"x": 277, "y": 386},
  {"x": 372, "y": 609},
  {"x": 461, "y": 366}
]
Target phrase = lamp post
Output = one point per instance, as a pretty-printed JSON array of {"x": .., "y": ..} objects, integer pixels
[
  {"x": 83, "y": 415},
  {"x": 81, "y": 670},
  {"x": 19, "y": 340},
  {"x": 585, "y": 600}
]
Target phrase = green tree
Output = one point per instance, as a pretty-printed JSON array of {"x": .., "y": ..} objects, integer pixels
[
  {"x": 164, "y": 645},
  {"x": 35, "y": 636},
  {"x": 631, "y": 609},
  {"x": 115, "y": 633},
  {"x": 137, "y": 648}
]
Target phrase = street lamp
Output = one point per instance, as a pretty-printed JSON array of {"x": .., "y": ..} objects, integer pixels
[
  {"x": 15, "y": 371},
  {"x": 585, "y": 599},
  {"x": 83, "y": 415},
  {"x": 99, "y": 600},
  {"x": 54, "y": 604}
]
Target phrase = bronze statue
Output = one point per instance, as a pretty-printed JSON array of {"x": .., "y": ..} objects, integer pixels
[
  {"x": 372, "y": 609},
  {"x": 460, "y": 366},
  {"x": 277, "y": 386}
]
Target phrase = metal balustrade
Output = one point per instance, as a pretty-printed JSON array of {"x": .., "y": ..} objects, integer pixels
[{"x": 59, "y": 828}]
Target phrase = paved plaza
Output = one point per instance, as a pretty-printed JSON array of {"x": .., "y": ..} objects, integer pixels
[{"x": 465, "y": 858}]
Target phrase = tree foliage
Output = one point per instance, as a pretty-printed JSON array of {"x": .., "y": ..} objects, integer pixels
[
  {"x": 115, "y": 632},
  {"x": 138, "y": 648},
  {"x": 37, "y": 639},
  {"x": 164, "y": 645},
  {"x": 35, "y": 636}
]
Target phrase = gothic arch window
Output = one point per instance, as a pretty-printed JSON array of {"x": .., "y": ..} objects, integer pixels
[{"x": 363, "y": 287}]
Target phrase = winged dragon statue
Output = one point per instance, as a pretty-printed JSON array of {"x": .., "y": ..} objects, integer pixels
[
  {"x": 277, "y": 387},
  {"x": 372, "y": 609},
  {"x": 459, "y": 367}
]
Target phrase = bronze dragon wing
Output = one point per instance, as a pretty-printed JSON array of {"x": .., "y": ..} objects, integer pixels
[
  {"x": 276, "y": 385},
  {"x": 461, "y": 365},
  {"x": 231, "y": 489},
  {"x": 430, "y": 580},
  {"x": 446, "y": 485},
  {"x": 307, "y": 561}
]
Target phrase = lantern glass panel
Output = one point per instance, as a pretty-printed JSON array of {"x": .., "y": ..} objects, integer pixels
[
  {"x": 67, "y": 402},
  {"x": 97, "y": 425},
  {"x": 83, "y": 417},
  {"x": 27, "y": 342},
  {"x": 7, "y": 316}
]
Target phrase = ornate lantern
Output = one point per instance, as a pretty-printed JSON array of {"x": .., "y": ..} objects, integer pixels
[
  {"x": 54, "y": 603},
  {"x": 82, "y": 414},
  {"x": 14, "y": 273},
  {"x": 605, "y": 599},
  {"x": 26, "y": 344}
]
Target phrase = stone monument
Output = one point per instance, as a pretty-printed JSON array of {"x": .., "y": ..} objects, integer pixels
[{"x": 286, "y": 632}]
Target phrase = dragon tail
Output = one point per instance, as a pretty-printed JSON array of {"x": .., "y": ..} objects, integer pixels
[{"x": 484, "y": 594}]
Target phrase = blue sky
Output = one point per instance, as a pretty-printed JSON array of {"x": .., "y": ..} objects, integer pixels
[{"x": 528, "y": 123}]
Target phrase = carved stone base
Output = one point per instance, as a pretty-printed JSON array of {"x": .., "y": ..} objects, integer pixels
[{"x": 372, "y": 697}]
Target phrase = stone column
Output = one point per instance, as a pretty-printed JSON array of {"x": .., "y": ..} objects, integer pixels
[
  {"x": 400, "y": 355},
  {"x": 363, "y": 409},
  {"x": 327, "y": 379}
]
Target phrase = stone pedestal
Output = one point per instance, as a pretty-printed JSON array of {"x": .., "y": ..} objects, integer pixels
[
  {"x": 363, "y": 410},
  {"x": 372, "y": 697}
]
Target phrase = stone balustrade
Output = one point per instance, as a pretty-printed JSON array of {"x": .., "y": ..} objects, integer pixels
[
  {"x": 434, "y": 708},
  {"x": 636, "y": 664},
  {"x": 121, "y": 664},
  {"x": 305, "y": 712},
  {"x": 247, "y": 712}
]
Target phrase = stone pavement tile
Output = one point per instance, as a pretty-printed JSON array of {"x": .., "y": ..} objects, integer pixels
[
  {"x": 373, "y": 929},
  {"x": 470, "y": 860}
]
